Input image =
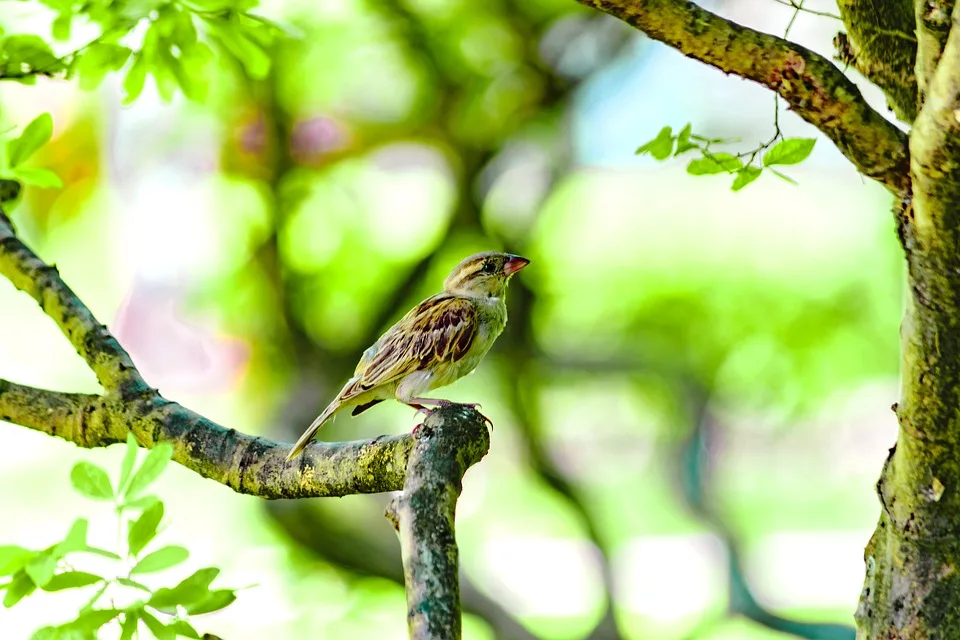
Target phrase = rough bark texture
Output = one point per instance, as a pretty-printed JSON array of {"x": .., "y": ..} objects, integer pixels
[
  {"x": 883, "y": 46},
  {"x": 913, "y": 559},
  {"x": 447, "y": 444}
]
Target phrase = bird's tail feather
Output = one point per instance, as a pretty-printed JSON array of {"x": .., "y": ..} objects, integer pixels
[{"x": 311, "y": 431}]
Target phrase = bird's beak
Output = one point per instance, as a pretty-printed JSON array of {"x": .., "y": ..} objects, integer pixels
[{"x": 514, "y": 264}]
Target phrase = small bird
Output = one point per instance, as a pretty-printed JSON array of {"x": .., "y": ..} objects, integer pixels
[{"x": 439, "y": 341}]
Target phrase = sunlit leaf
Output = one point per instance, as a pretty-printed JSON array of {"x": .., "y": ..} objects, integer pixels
[
  {"x": 190, "y": 591},
  {"x": 76, "y": 539},
  {"x": 745, "y": 176},
  {"x": 153, "y": 465},
  {"x": 214, "y": 602},
  {"x": 135, "y": 79},
  {"x": 20, "y": 587},
  {"x": 38, "y": 177},
  {"x": 157, "y": 628},
  {"x": 99, "y": 60},
  {"x": 183, "y": 628},
  {"x": 683, "y": 141},
  {"x": 60, "y": 28},
  {"x": 35, "y": 135},
  {"x": 129, "y": 460},
  {"x": 129, "y": 627},
  {"x": 94, "y": 619},
  {"x": 91, "y": 481},
  {"x": 13, "y": 559},
  {"x": 714, "y": 163},
  {"x": 127, "y": 582},
  {"x": 161, "y": 559},
  {"x": 70, "y": 580},
  {"x": 660, "y": 147},
  {"x": 101, "y": 552},
  {"x": 41, "y": 568},
  {"x": 789, "y": 151},
  {"x": 143, "y": 530}
]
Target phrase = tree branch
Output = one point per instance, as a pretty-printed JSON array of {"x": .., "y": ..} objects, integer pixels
[
  {"x": 246, "y": 464},
  {"x": 450, "y": 441},
  {"x": 813, "y": 87},
  {"x": 932, "y": 28},
  {"x": 880, "y": 37},
  {"x": 111, "y": 364}
]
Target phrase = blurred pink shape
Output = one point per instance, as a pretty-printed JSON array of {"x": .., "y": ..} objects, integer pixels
[{"x": 173, "y": 353}]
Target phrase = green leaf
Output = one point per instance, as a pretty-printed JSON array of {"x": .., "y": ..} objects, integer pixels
[
  {"x": 683, "y": 141},
  {"x": 99, "y": 60},
  {"x": 35, "y": 135},
  {"x": 217, "y": 600},
  {"x": 714, "y": 163},
  {"x": 144, "y": 502},
  {"x": 18, "y": 589},
  {"x": 232, "y": 37},
  {"x": 47, "y": 633},
  {"x": 784, "y": 177},
  {"x": 183, "y": 628},
  {"x": 71, "y": 580},
  {"x": 745, "y": 176},
  {"x": 61, "y": 26},
  {"x": 129, "y": 460},
  {"x": 91, "y": 481},
  {"x": 41, "y": 568},
  {"x": 129, "y": 627},
  {"x": 27, "y": 54},
  {"x": 789, "y": 151},
  {"x": 161, "y": 559},
  {"x": 94, "y": 619},
  {"x": 101, "y": 552},
  {"x": 660, "y": 147},
  {"x": 76, "y": 539},
  {"x": 127, "y": 582},
  {"x": 192, "y": 590},
  {"x": 38, "y": 177},
  {"x": 157, "y": 628},
  {"x": 135, "y": 79},
  {"x": 145, "y": 528},
  {"x": 150, "y": 470},
  {"x": 13, "y": 559}
]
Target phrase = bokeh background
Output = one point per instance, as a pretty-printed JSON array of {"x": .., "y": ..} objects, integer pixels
[{"x": 691, "y": 398}]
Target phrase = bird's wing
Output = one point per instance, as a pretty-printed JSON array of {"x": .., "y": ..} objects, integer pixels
[{"x": 439, "y": 329}]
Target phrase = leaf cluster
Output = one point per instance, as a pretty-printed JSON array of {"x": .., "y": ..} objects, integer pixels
[
  {"x": 786, "y": 151},
  {"x": 172, "y": 42},
  {"x": 165, "y": 611}
]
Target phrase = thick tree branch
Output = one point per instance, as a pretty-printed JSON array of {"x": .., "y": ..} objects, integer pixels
[
  {"x": 244, "y": 463},
  {"x": 111, "y": 364},
  {"x": 880, "y": 38},
  {"x": 447, "y": 444},
  {"x": 932, "y": 28},
  {"x": 813, "y": 87}
]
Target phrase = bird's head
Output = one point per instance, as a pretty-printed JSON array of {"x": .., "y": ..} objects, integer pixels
[{"x": 483, "y": 275}]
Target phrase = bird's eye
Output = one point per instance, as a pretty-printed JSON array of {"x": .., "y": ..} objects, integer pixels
[{"x": 488, "y": 267}]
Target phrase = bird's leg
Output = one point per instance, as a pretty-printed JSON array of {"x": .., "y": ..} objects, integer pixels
[{"x": 419, "y": 405}]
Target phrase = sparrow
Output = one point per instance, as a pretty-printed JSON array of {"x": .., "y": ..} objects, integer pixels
[{"x": 436, "y": 343}]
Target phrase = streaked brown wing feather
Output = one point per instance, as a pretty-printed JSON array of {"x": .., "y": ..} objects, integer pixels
[{"x": 440, "y": 328}]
